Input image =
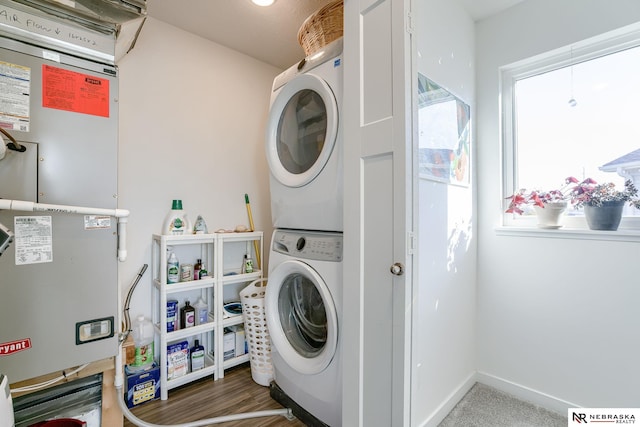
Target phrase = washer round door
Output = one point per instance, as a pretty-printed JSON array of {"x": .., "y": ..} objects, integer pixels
[
  {"x": 301, "y": 130},
  {"x": 301, "y": 317}
]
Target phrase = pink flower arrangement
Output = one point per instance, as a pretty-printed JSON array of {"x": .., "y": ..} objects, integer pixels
[
  {"x": 589, "y": 192},
  {"x": 586, "y": 192},
  {"x": 541, "y": 198}
]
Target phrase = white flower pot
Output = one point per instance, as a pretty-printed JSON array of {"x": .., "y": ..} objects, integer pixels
[{"x": 551, "y": 215}]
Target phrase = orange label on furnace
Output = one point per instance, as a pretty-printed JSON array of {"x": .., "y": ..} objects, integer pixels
[{"x": 70, "y": 91}]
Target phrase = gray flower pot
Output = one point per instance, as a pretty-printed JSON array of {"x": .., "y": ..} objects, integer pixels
[{"x": 605, "y": 217}]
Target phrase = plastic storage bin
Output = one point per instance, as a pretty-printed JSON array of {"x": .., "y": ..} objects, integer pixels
[{"x": 256, "y": 332}]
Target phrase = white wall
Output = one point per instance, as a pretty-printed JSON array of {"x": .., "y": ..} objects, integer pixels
[
  {"x": 557, "y": 319},
  {"x": 192, "y": 120},
  {"x": 443, "y": 340}
]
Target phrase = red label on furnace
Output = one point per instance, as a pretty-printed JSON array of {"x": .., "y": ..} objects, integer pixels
[
  {"x": 8, "y": 348},
  {"x": 70, "y": 91}
]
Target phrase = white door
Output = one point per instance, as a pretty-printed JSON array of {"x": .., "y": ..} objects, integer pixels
[
  {"x": 301, "y": 130},
  {"x": 378, "y": 213}
]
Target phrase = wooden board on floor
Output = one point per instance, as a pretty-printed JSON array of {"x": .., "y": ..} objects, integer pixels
[
  {"x": 111, "y": 414},
  {"x": 235, "y": 393}
]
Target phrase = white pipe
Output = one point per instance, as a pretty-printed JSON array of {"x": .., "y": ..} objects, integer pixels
[
  {"x": 122, "y": 238},
  {"x": 119, "y": 376},
  {"x": 119, "y": 380},
  {"x": 121, "y": 214},
  {"x": 50, "y": 382}
]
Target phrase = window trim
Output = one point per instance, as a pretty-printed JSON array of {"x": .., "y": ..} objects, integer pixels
[
  {"x": 575, "y": 227},
  {"x": 621, "y": 235}
]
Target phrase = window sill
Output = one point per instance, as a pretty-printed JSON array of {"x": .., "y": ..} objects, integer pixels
[{"x": 621, "y": 235}]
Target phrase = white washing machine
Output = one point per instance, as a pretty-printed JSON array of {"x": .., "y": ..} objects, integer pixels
[
  {"x": 304, "y": 143},
  {"x": 303, "y": 305}
]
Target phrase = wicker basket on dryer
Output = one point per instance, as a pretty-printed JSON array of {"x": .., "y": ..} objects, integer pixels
[{"x": 322, "y": 27}]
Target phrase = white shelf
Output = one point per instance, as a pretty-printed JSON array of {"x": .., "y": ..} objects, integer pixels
[
  {"x": 237, "y": 277},
  {"x": 230, "y": 363},
  {"x": 185, "y": 286},
  {"x": 189, "y": 332},
  {"x": 212, "y": 250},
  {"x": 209, "y": 369},
  {"x": 230, "y": 321},
  {"x": 186, "y": 239}
]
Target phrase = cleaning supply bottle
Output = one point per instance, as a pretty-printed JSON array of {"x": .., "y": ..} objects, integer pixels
[
  {"x": 196, "y": 269},
  {"x": 173, "y": 269},
  {"x": 200, "y": 227},
  {"x": 176, "y": 222},
  {"x": 203, "y": 271},
  {"x": 187, "y": 316},
  {"x": 247, "y": 265},
  {"x": 142, "y": 330},
  {"x": 196, "y": 356},
  {"x": 202, "y": 311}
]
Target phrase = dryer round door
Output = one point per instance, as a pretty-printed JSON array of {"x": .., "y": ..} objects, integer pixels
[
  {"x": 301, "y": 317},
  {"x": 301, "y": 130}
]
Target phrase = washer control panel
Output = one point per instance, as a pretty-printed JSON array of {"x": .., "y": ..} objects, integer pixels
[{"x": 312, "y": 245}]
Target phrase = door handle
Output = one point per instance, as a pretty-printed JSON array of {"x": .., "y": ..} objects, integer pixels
[{"x": 397, "y": 269}]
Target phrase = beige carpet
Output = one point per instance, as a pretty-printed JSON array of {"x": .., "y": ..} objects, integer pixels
[{"x": 484, "y": 406}]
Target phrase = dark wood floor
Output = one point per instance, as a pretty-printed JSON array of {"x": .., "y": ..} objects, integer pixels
[{"x": 235, "y": 393}]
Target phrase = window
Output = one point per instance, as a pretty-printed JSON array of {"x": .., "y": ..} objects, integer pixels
[{"x": 573, "y": 112}]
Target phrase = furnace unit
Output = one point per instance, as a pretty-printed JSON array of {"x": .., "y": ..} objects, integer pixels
[{"x": 59, "y": 275}]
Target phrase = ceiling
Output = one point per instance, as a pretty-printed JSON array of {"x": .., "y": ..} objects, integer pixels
[{"x": 269, "y": 34}]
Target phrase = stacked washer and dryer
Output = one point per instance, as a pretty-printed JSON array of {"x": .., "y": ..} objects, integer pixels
[{"x": 303, "y": 301}]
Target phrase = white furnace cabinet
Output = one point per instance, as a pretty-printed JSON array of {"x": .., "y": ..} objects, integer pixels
[{"x": 58, "y": 279}]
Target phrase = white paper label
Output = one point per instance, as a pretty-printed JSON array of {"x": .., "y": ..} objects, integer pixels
[
  {"x": 15, "y": 89},
  {"x": 92, "y": 222},
  {"x": 34, "y": 239}
]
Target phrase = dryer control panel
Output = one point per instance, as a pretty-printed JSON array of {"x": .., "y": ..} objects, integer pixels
[{"x": 311, "y": 245}]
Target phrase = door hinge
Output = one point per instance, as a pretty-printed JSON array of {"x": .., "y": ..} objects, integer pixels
[
  {"x": 411, "y": 242},
  {"x": 410, "y": 26}
]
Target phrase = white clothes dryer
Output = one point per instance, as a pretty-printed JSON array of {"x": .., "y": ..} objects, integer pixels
[
  {"x": 304, "y": 143},
  {"x": 303, "y": 305}
]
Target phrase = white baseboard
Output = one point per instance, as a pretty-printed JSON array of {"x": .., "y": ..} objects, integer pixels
[
  {"x": 452, "y": 400},
  {"x": 527, "y": 394},
  {"x": 521, "y": 392}
]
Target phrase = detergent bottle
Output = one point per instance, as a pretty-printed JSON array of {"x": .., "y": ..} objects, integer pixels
[
  {"x": 176, "y": 221},
  {"x": 202, "y": 311},
  {"x": 196, "y": 356},
  {"x": 142, "y": 330}
]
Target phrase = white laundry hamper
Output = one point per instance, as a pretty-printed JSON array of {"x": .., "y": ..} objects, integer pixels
[{"x": 256, "y": 332}]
